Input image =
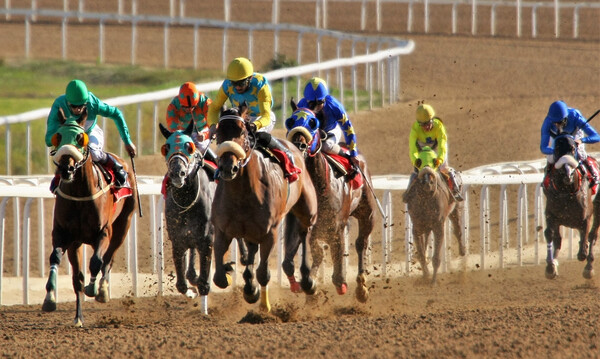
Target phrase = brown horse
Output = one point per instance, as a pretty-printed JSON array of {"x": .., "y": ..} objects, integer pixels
[
  {"x": 85, "y": 212},
  {"x": 337, "y": 201},
  {"x": 430, "y": 202},
  {"x": 251, "y": 200},
  {"x": 569, "y": 203}
]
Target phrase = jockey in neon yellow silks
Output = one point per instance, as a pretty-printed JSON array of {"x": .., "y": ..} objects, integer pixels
[{"x": 429, "y": 130}]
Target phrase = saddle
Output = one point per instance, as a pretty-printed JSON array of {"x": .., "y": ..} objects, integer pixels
[
  {"x": 282, "y": 159},
  {"x": 342, "y": 167}
]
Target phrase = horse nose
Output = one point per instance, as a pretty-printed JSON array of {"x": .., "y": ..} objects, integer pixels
[
  {"x": 182, "y": 174},
  {"x": 303, "y": 146},
  {"x": 71, "y": 168}
]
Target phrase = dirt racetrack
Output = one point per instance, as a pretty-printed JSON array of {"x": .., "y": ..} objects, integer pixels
[{"x": 493, "y": 94}]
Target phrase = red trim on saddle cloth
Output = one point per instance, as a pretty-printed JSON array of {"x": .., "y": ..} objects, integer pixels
[
  {"x": 120, "y": 193},
  {"x": 291, "y": 172},
  {"x": 163, "y": 188},
  {"x": 211, "y": 164},
  {"x": 357, "y": 181}
]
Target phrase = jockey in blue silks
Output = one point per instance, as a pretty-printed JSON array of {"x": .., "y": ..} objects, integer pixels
[
  {"x": 333, "y": 117},
  {"x": 563, "y": 119}
]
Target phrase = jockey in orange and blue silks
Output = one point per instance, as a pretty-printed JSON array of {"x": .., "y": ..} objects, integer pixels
[
  {"x": 429, "y": 131},
  {"x": 244, "y": 85},
  {"x": 333, "y": 117},
  {"x": 77, "y": 100},
  {"x": 563, "y": 119},
  {"x": 191, "y": 105}
]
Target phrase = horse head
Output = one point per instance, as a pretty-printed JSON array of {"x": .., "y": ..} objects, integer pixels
[
  {"x": 70, "y": 145},
  {"x": 233, "y": 141},
  {"x": 566, "y": 176},
  {"x": 564, "y": 144},
  {"x": 303, "y": 129},
  {"x": 180, "y": 153}
]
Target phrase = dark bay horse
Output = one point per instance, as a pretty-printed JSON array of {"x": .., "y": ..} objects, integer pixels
[
  {"x": 188, "y": 201},
  {"x": 251, "y": 201},
  {"x": 430, "y": 202},
  {"x": 569, "y": 203},
  {"x": 85, "y": 212},
  {"x": 337, "y": 201}
]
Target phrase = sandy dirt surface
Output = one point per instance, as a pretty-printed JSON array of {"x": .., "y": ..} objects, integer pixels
[{"x": 492, "y": 94}]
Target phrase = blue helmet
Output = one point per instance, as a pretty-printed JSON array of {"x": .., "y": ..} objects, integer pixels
[
  {"x": 557, "y": 111},
  {"x": 315, "y": 89}
]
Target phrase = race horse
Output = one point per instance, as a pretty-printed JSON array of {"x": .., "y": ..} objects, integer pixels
[
  {"x": 337, "y": 199},
  {"x": 251, "y": 200},
  {"x": 569, "y": 203},
  {"x": 88, "y": 210},
  {"x": 430, "y": 202},
  {"x": 188, "y": 200}
]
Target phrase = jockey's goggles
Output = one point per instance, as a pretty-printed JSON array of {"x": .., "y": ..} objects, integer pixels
[
  {"x": 241, "y": 83},
  {"x": 76, "y": 107},
  {"x": 425, "y": 124},
  {"x": 563, "y": 122}
]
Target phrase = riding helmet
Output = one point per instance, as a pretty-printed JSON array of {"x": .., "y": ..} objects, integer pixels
[
  {"x": 77, "y": 93},
  {"x": 557, "y": 111},
  {"x": 239, "y": 69},
  {"x": 188, "y": 95},
  {"x": 425, "y": 113},
  {"x": 315, "y": 89}
]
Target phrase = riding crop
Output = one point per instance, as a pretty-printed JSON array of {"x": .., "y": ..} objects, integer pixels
[
  {"x": 385, "y": 219},
  {"x": 137, "y": 190}
]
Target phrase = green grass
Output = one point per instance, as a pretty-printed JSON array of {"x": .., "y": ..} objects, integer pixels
[{"x": 33, "y": 85}]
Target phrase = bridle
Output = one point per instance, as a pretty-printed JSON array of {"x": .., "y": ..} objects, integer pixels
[
  {"x": 193, "y": 168},
  {"x": 75, "y": 168}
]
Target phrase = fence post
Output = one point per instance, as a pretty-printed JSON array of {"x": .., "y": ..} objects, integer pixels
[
  {"x": 474, "y": 17},
  {"x": 556, "y": 19}
]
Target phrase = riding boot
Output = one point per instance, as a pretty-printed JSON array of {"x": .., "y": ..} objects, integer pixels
[
  {"x": 210, "y": 155},
  {"x": 409, "y": 187},
  {"x": 291, "y": 174},
  {"x": 119, "y": 172},
  {"x": 455, "y": 186},
  {"x": 593, "y": 173}
]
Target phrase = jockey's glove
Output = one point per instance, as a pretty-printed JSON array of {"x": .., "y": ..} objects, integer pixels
[{"x": 437, "y": 162}]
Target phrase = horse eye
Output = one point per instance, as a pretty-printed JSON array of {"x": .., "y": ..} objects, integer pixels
[
  {"x": 312, "y": 123},
  {"x": 289, "y": 123},
  {"x": 164, "y": 149}
]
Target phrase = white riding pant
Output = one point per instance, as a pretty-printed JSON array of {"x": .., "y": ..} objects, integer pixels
[
  {"x": 96, "y": 144},
  {"x": 333, "y": 138},
  {"x": 268, "y": 128},
  {"x": 581, "y": 153}
]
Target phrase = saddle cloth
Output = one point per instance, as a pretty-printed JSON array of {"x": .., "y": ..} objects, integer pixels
[{"x": 354, "y": 178}]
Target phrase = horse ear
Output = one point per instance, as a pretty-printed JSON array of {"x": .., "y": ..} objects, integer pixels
[
  {"x": 188, "y": 131},
  {"x": 166, "y": 133},
  {"x": 61, "y": 116},
  {"x": 293, "y": 104},
  {"x": 223, "y": 109}
]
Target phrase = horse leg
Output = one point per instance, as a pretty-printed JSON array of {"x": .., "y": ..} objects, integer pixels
[
  {"x": 583, "y": 242},
  {"x": 179, "y": 250},
  {"x": 262, "y": 272},
  {"x": 292, "y": 242},
  {"x": 552, "y": 235},
  {"x": 50, "y": 300},
  {"x": 309, "y": 286},
  {"x": 366, "y": 223},
  {"x": 205, "y": 248},
  {"x": 438, "y": 240},
  {"x": 96, "y": 262},
  {"x": 222, "y": 276},
  {"x": 588, "y": 270},
  {"x": 75, "y": 252},
  {"x": 338, "y": 277},
  {"x": 457, "y": 227},
  {"x": 251, "y": 292},
  {"x": 243, "y": 251},
  {"x": 421, "y": 243}
]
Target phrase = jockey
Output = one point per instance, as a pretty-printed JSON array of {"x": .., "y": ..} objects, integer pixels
[
  {"x": 190, "y": 105},
  {"x": 562, "y": 119},
  {"x": 77, "y": 100},
  {"x": 333, "y": 117},
  {"x": 244, "y": 85},
  {"x": 429, "y": 130}
]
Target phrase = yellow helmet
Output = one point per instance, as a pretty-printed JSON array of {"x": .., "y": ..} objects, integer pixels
[
  {"x": 425, "y": 113},
  {"x": 239, "y": 69}
]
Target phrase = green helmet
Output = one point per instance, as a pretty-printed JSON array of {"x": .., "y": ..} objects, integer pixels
[{"x": 77, "y": 93}]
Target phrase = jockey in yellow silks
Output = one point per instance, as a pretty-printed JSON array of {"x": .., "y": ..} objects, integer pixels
[
  {"x": 429, "y": 130},
  {"x": 243, "y": 84}
]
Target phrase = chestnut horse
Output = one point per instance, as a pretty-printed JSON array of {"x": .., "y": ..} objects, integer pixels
[
  {"x": 188, "y": 201},
  {"x": 337, "y": 201},
  {"x": 569, "y": 203},
  {"x": 430, "y": 202},
  {"x": 85, "y": 212},
  {"x": 251, "y": 200}
]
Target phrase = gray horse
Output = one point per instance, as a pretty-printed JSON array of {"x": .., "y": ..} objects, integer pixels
[{"x": 430, "y": 202}]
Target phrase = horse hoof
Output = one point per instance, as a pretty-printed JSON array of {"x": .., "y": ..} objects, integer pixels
[
  {"x": 362, "y": 294},
  {"x": 309, "y": 286},
  {"x": 91, "y": 290},
  {"x": 552, "y": 269},
  {"x": 191, "y": 293},
  {"x": 341, "y": 290},
  {"x": 78, "y": 323},
  {"x": 222, "y": 281},
  {"x": 295, "y": 287},
  {"x": 49, "y": 306},
  {"x": 581, "y": 256},
  {"x": 588, "y": 273},
  {"x": 251, "y": 294}
]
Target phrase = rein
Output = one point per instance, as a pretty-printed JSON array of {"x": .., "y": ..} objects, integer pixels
[{"x": 92, "y": 197}]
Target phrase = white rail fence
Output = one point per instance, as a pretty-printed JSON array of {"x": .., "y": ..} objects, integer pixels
[
  {"x": 322, "y": 12},
  {"x": 523, "y": 248},
  {"x": 383, "y": 68}
]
